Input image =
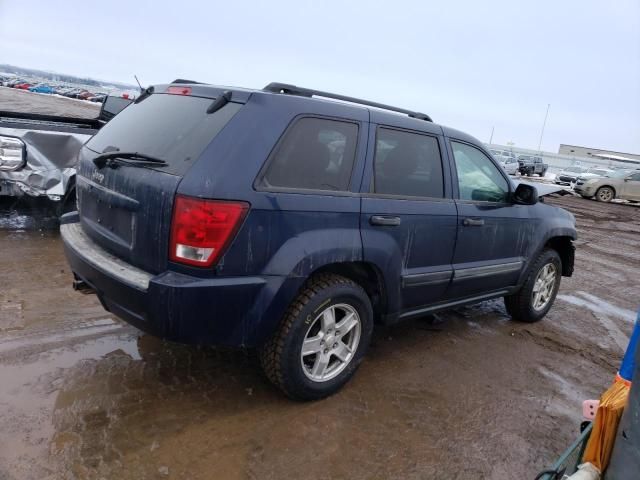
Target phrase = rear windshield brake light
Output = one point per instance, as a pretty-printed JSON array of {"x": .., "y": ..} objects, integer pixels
[{"x": 179, "y": 90}]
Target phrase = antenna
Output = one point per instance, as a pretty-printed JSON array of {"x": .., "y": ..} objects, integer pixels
[{"x": 141, "y": 89}]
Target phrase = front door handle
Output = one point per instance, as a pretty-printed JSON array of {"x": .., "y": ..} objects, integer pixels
[
  {"x": 384, "y": 221},
  {"x": 473, "y": 222}
]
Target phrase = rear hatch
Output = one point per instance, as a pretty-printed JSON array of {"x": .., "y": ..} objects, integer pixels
[{"x": 125, "y": 206}]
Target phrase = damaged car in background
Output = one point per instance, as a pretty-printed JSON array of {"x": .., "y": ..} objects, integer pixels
[{"x": 38, "y": 152}]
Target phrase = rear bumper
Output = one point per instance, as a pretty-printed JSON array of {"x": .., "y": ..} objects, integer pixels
[{"x": 234, "y": 311}]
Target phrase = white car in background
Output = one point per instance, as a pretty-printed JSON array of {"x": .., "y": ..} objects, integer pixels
[
  {"x": 571, "y": 175},
  {"x": 507, "y": 161}
]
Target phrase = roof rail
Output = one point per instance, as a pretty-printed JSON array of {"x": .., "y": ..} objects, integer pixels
[{"x": 276, "y": 87}]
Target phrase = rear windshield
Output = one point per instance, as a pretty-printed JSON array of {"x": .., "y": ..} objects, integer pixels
[{"x": 174, "y": 128}]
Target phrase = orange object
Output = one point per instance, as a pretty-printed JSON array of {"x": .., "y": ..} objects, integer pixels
[{"x": 605, "y": 425}]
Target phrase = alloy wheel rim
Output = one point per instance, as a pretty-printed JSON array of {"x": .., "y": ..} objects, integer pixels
[
  {"x": 330, "y": 342},
  {"x": 605, "y": 194},
  {"x": 543, "y": 286}
]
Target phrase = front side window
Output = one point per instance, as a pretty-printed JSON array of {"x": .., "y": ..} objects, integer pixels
[
  {"x": 407, "y": 164},
  {"x": 621, "y": 173},
  {"x": 314, "y": 154},
  {"x": 478, "y": 177}
]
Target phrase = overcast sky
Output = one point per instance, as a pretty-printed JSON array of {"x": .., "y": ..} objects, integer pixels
[{"x": 471, "y": 65}]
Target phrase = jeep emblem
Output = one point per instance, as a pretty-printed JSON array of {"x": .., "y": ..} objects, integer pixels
[{"x": 97, "y": 176}]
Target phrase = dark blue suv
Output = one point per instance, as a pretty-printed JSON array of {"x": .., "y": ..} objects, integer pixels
[{"x": 285, "y": 220}]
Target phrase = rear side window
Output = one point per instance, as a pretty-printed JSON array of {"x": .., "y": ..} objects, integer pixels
[
  {"x": 174, "y": 128},
  {"x": 314, "y": 154},
  {"x": 407, "y": 164}
]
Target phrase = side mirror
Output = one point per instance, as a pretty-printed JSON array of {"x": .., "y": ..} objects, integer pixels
[{"x": 525, "y": 194}]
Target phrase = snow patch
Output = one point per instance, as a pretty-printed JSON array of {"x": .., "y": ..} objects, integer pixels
[{"x": 596, "y": 304}]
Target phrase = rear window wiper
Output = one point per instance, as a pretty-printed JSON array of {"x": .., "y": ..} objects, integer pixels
[{"x": 130, "y": 158}]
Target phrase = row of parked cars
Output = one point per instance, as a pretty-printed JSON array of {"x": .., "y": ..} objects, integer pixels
[
  {"x": 524, "y": 164},
  {"x": 64, "y": 90},
  {"x": 603, "y": 184}
]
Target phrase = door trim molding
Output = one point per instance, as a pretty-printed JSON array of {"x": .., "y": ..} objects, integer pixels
[
  {"x": 447, "y": 305},
  {"x": 431, "y": 278},
  {"x": 486, "y": 271}
]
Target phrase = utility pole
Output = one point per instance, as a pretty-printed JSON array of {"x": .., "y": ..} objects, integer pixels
[
  {"x": 491, "y": 138},
  {"x": 543, "y": 125}
]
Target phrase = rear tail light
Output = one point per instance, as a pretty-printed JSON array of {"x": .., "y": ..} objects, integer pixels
[
  {"x": 202, "y": 229},
  {"x": 179, "y": 90}
]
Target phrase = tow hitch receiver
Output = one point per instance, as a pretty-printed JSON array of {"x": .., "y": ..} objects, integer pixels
[{"x": 82, "y": 286}]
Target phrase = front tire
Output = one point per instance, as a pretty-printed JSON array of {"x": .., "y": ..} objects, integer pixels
[
  {"x": 605, "y": 194},
  {"x": 321, "y": 340},
  {"x": 532, "y": 302}
]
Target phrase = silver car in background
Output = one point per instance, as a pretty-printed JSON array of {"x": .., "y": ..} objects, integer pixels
[{"x": 622, "y": 184}]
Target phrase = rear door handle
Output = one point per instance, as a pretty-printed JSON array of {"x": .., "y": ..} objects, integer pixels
[
  {"x": 384, "y": 221},
  {"x": 473, "y": 222}
]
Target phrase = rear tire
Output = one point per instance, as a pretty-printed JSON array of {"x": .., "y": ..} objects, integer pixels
[
  {"x": 532, "y": 302},
  {"x": 331, "y": 356},
  {"x": 605, "y": 194}
]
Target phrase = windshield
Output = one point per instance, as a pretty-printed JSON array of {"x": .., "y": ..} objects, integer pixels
[
  {"x": 574, "y": 169},
  {"x": 620, "y": 173},
  {"x": 173, "y": 128},
  {"x": 596, "y": 171}
]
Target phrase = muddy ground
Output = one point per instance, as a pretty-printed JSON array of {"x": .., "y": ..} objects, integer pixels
[{"x": 467, "y": 394}]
